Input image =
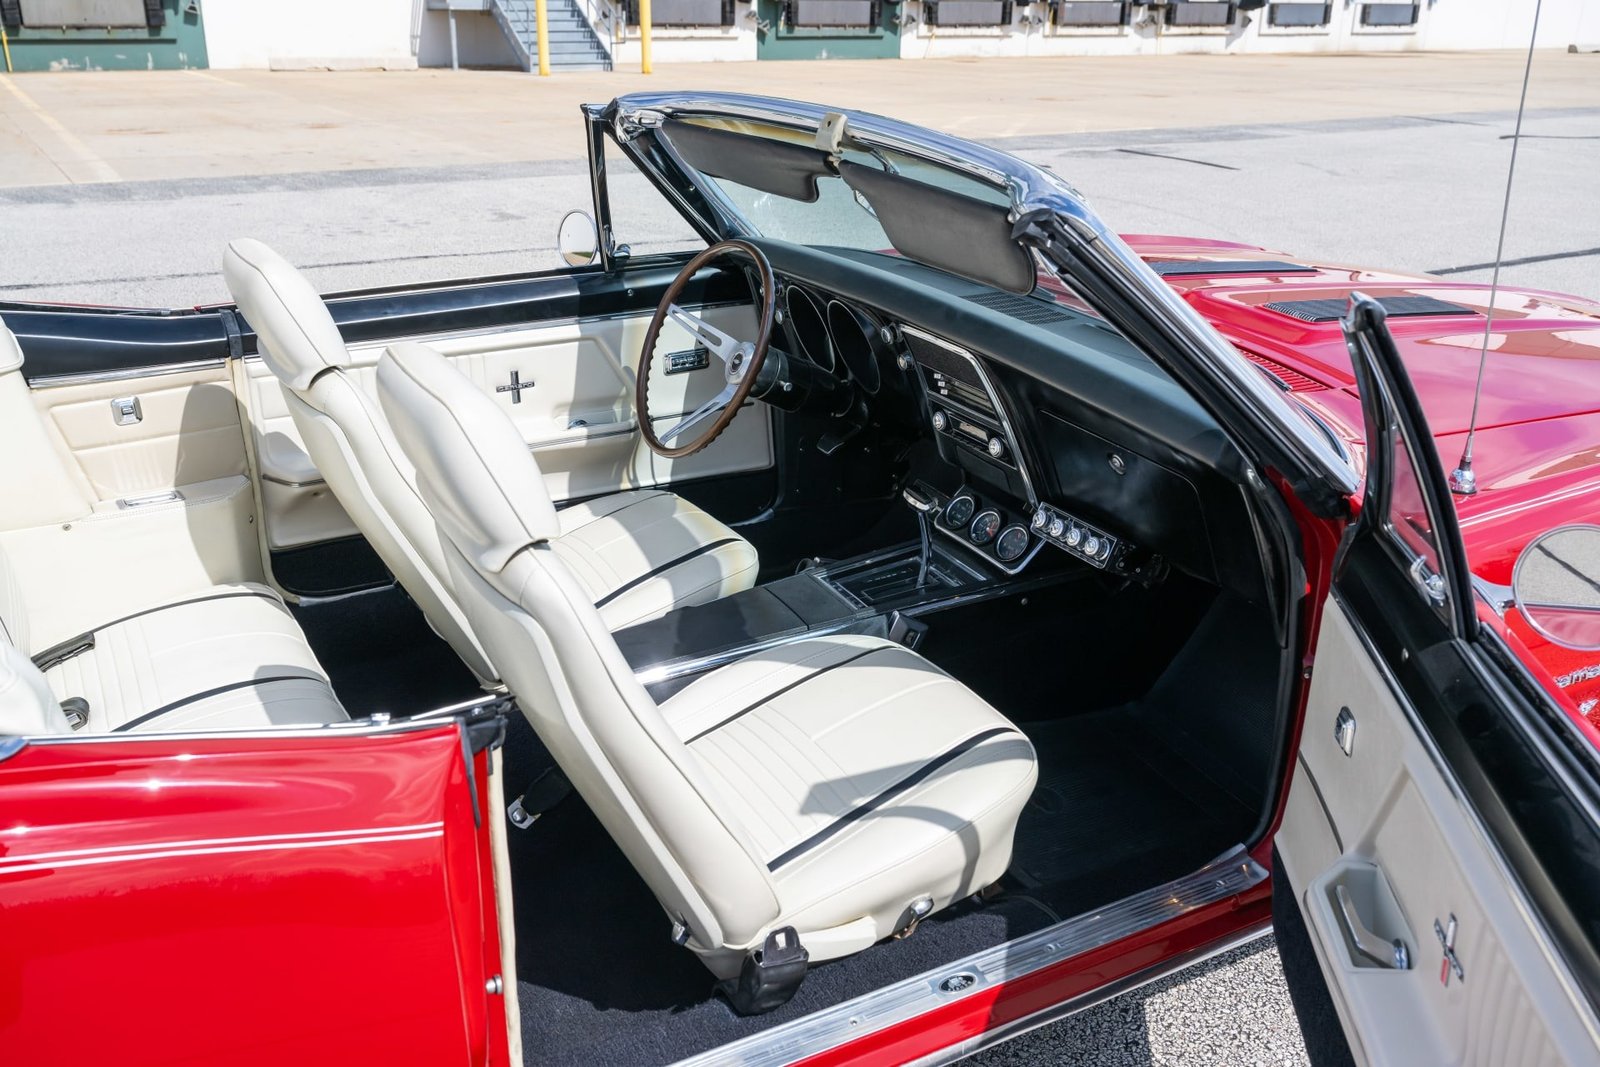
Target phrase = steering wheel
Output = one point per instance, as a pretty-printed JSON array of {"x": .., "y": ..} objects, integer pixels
[{"x": 741, "y": 360}]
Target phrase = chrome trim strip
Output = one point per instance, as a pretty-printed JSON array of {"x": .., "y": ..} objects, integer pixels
[
  {"x": 1056, "y": 1012},
  {"x": 1032, "y": 188},
  {"x": 994, "y": 398},
  {"x": 353, "y": 727},
  {"x": 1227, "y": 876},
  {"x": 1519, "y": 898},
  {"x": 57, "y": 381}
]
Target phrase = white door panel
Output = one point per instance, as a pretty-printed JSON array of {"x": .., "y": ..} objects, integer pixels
[
  {"x": 187, "y": 431},
  {"x": 103, "y": 518},
  {"x": 574, "y": 407},
  {"x": 1386, "y": 823}
]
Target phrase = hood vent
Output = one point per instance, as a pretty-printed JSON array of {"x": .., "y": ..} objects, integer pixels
[
  {"x": 1396, "y": 306},
  {"x": 1177, "y": 268},
  {"x": 1292, "y": 381},
  {"x": 1037, "y": 312}
]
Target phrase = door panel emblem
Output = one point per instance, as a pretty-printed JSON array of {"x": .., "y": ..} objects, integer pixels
[
  {"x": 514, "y": 387},
  {"x": 1451, "y": 963}
]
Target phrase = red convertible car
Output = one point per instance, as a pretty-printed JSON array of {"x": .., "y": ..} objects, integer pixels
[{"x": 903, "y": 615}]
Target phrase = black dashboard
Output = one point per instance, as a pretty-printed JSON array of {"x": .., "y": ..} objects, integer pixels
[{"x": 1061, "y": 434}]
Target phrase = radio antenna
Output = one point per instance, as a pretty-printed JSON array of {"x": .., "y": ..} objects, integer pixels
[{"x": 1463, "y": 481}]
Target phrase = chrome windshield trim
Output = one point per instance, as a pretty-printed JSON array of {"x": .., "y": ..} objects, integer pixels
[
  {"x": 1032, "y": 189},
  {"x": 1230, "y": 874}
]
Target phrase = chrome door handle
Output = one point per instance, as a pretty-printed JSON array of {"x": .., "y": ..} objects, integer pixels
[
  {"x": 1431, "y": 584},
  {"x": 1391, "y": 954}
]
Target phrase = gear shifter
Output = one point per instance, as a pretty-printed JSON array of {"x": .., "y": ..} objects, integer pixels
[{"x": 924, "y": 504}]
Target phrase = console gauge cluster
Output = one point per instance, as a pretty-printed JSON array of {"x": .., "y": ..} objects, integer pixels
[
  {"x": 998, "y": 535},
  {"x": 1090, "y": 544}
]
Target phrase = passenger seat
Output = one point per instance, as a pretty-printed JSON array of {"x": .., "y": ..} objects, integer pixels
[{"x": 229, "y": 657}]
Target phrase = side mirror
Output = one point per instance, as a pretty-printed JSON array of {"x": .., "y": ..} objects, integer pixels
[
  {"x": 1557, "y": 585},
  {"x": 577, "y": 239}
]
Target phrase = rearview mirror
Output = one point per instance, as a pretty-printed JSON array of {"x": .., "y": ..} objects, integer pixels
[
  {"x": 577, "y": 239},
  {"x": 1557, "y": 585}
]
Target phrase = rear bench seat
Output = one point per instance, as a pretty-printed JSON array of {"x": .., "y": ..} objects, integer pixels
[{"x": 230, "y": 657}]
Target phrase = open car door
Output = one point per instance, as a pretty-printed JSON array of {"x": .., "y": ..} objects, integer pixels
[{"x": 1438, "y": 862}]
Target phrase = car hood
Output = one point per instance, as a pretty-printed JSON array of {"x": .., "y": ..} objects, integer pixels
[{"x": 1543, "y": 348}]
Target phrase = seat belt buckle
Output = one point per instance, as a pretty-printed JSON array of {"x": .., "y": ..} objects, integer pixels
[
  {"x": 58, "y": 654},
  {"x": 76, "y": 710},
  {"x": 770, "y": 975}
]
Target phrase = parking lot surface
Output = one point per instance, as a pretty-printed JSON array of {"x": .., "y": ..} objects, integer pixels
[{"x": 124, "y": 189}]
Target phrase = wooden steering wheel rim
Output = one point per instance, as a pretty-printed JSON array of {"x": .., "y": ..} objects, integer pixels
[{"x": 769, "y": 306}]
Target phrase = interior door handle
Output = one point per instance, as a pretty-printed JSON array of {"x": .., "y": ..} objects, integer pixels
[{"x": 1391, "y": 954}]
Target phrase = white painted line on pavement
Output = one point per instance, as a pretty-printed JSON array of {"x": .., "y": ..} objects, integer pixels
[{"x": 98, "y": 169}]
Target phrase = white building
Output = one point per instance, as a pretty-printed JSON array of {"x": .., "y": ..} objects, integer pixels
[{"x": 402, "y": 34}]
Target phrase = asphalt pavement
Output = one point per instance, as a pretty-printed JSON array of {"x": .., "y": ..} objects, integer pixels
[{"x": 1391, "y": 161}]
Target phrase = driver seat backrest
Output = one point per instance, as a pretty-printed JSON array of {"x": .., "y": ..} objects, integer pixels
[
  {"x": 570, "y": 678},
  {"x": 347, "y": 437}
]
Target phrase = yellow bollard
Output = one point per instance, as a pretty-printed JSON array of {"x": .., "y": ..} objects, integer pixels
[
  {"x": 543, "y": 28},
  {"x": 644, "y": 36}
]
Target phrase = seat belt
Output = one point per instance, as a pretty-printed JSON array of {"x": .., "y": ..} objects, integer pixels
[{"x": 547, "y": 790}]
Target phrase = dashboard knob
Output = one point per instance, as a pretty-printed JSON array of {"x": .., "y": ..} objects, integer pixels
[
  {"x": 1039, "y": 519},
  {"x": 904, "y": 362},
  {"x": 939, "y": 420},
  {"x": 1091, "y": 545},
  {"x": 1074, "y": 535},
  {"x": 997, "y": 447},
  {"x": 1057, "y": 528}
]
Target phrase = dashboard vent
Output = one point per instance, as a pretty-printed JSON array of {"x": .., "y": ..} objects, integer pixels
[
  {"x": 1037, "y": 312},
  {"x": 1397, "y": 306},
  {"x": 1170, "y": 268},
  {"x": 1292, "y": 380}
]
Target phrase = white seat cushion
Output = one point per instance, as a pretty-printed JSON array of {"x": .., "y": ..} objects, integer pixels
[
  {"x": 641, "y": 554},
  {"x": 229, "y": 658},
  {"x": 864, "y": 776}
]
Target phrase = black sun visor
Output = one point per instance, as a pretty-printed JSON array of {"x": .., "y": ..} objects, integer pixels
[
  {"x": 944, "y": 229},
  {"x": 782, "y": 168}
]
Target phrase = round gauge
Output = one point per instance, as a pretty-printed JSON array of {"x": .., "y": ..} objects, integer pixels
[
  {"x": 1011, "y": 544},
  {"x": 855, "y": 338},
  {"x": 809, "y": 326},
  {"x": 959, "y": 511},
  {"x": 984, "y": 527}
]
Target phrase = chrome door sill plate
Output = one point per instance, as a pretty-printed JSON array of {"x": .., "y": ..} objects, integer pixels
[{"x": 1228, "y": 875}]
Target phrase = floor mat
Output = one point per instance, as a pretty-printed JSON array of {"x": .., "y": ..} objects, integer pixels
[
  {"x": 1115, "y": 812},
  {"x": 600, "y": 983}
]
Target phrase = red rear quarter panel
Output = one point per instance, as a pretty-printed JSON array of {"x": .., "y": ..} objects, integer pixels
[{"x": 282, "y": 900}]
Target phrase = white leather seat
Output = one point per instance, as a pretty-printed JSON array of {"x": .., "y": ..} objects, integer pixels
[
  {"x": 230, "y": 657},
  {"x": 639, "y": 554},
  {"x": 832, "y": 784}
]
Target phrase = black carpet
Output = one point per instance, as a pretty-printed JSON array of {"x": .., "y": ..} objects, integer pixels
[
  {"x": 1115, "y": 813},
  {"x": 381, "y": 655},
  {"x": 600, "y": 983}
]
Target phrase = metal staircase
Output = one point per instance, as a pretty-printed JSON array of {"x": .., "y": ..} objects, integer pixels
[{"x": 573, "y": 43}]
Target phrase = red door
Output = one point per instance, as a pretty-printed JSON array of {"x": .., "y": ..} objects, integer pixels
[{"x": 322, "y": 896}]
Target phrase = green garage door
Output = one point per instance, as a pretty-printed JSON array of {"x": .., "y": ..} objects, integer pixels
[
  {"x": 828, "y": 29},
  {"x": 104, "y": 34}
]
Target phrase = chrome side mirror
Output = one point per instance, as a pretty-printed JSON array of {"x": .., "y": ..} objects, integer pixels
[
  {"x": 1557, "y": 585},
  {"x": 578, "y": 239}
]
